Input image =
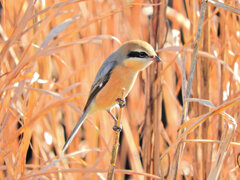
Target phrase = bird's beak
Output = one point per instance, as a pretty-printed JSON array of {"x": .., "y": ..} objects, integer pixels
[{"x": 157, "y": 59}]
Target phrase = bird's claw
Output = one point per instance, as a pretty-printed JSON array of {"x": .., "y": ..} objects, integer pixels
[
  {"x": 121, "y": 102},
  {"x": 117, "y": 128}
]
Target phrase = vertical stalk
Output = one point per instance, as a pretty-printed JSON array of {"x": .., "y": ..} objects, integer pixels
[
  {"x": 204, "y": 80},
  {"x": 112, "y": 165}
]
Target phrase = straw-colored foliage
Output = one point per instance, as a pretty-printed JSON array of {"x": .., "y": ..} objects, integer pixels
[{"x": 50, "y": 51}]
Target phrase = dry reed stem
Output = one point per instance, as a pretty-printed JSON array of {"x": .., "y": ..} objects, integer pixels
[
  {"x": 223, "y": 148},
  {"x": 116, "y": 143},
  {"x": 174, "y": 168},
  {"x": 224, "y": 6}
]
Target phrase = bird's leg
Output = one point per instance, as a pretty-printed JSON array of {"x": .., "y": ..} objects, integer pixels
[
  {"x": 111, "y": 114},
  {"x": 115, "y": 127}
]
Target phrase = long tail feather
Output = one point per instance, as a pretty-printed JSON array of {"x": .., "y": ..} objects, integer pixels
[{"x": 75, "y": 130}]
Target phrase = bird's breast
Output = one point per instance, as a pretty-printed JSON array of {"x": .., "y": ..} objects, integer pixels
[{"x": 121, "y": 77}]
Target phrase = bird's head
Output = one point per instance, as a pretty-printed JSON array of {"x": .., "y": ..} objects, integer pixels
[{"x": 137, "y": 54}]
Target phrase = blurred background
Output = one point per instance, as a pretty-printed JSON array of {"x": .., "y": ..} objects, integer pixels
[{"x": 50, "y": 52}]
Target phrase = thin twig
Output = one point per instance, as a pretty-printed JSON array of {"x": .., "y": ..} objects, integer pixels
[{"x": 112, "y": 165}]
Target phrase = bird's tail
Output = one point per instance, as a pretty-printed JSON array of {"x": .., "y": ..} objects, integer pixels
[{"x": 75, "y": 130}]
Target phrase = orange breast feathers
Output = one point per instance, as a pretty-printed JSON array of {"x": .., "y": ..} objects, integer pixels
[{"x": 121, "y": 77}]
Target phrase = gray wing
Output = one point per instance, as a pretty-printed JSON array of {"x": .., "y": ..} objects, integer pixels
[{"x": 101, "y": 79}]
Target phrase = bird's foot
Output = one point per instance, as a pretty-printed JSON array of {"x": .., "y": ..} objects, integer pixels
[
  {"x": 117, "y": 128},
  {"x": 121, "y": 102}
]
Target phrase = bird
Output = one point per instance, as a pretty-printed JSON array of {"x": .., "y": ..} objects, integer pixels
[{"x": 118, "y": 71}]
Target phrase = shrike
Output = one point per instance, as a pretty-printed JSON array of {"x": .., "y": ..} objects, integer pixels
[{"x": 118, "y": 71}]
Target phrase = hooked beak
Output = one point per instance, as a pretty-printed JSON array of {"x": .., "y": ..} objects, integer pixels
[{"x": 157, "y": 59}]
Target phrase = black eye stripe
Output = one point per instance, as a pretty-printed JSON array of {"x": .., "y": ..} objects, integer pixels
[{"x": 137, "y": 54}]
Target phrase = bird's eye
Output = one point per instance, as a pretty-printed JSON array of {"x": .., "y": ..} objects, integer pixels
[
  {"x": 143, "y": 54},
  {"x": 137, "y": 54}
]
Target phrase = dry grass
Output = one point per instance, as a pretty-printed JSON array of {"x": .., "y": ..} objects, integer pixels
[{"x": 50, "y": 52}]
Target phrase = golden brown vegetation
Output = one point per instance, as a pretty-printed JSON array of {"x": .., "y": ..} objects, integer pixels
[{"x": 50, "y": 51}]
